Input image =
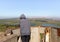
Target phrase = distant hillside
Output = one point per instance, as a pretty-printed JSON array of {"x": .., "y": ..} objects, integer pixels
[
  {"x": 13, "y": 23},
  {"x": 36, "y": 21},
  {"x": 11, "y": 20}
]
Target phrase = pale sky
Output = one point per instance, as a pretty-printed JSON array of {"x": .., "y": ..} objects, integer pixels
[{"x": 31, "y": 8}]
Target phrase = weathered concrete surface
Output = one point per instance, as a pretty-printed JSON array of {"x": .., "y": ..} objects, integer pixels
[
  {"x": 19, "y": 39},
  {"x": 35, "y": 35},
  {"x": 53, "y": 35},
  {"x": 16, "y": 32},
  {"x": 10, "y": 38},
  {"x": 58, "y": 39},
  {"x": 42, "y": 29}
]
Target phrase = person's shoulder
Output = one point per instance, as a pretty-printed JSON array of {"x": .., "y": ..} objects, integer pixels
[
  {"x": 27, "y": 20},
  {"x": 24, "y": 20}
]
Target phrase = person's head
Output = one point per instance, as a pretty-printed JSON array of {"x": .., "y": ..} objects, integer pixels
[{"x": 22, "y": 16}]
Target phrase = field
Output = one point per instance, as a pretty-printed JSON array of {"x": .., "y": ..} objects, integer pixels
[{"x": 14, "y": 22}]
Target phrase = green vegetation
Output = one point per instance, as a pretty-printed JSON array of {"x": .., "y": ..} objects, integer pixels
[
  {"x": 41, "y": 35},
  {"x": 14, "y": 23},
  {"x": 2, "y": 28}
]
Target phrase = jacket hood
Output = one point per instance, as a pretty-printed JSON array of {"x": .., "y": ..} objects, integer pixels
[{"x": 22, "y": 16}]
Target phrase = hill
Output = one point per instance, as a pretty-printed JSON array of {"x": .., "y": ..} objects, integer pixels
[{"x": 14, "y": 22}]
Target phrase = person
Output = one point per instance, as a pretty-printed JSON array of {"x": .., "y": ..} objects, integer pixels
[{"x": 24, "y": 28}]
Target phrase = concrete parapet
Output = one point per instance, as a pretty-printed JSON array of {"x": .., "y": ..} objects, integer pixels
[
  {"x": 9, "y": 38},
  {"x": 35, "y": 35}
]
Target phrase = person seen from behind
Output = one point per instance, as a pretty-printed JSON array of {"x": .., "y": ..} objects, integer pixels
[{"x": 24, "y": 28}]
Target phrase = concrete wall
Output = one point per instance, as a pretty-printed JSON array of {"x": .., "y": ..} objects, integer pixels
[
  {"x": 14, "y": 39},
  {"x": 41, "y": 29},
  {"x": 35, "y": 35},
  {"x": 53, "y": 35},
  {"x": 9, "y": 38},
  {"x": 17, "y": 32},
  {"x": 58, "y": 39}
]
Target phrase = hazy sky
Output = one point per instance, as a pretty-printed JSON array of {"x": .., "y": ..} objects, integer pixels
[{"x": 31, "y": 8}]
